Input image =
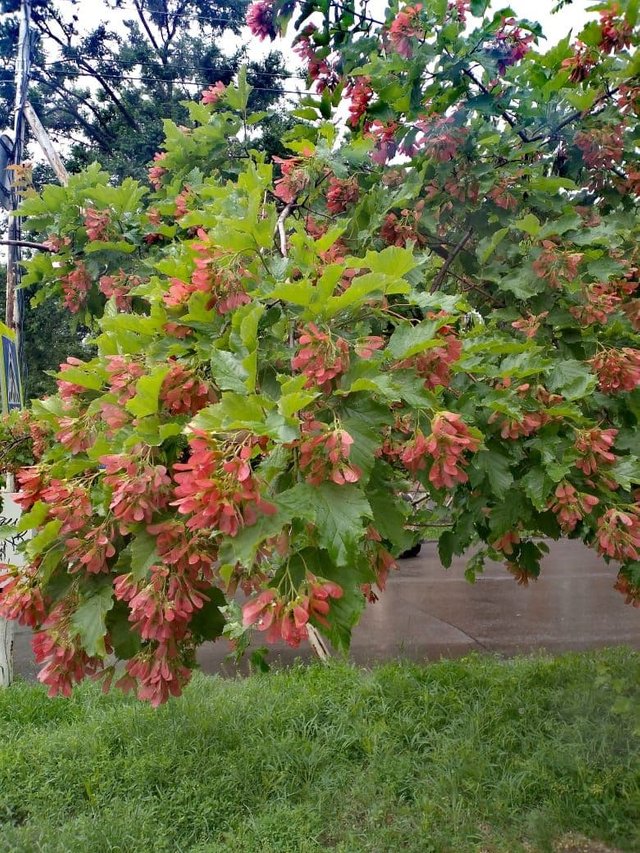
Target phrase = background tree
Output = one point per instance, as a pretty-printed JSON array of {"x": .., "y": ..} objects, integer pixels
[
  {"x": 52, "y": 335},
  {"x": 103, "y": 90},
  {"x": 285, "y": 349}
]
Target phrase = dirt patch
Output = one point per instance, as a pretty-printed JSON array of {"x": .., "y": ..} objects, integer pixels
[{"x": 580, "y": 844}]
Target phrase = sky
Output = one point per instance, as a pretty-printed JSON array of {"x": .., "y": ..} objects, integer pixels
[
  {"x": 572, "y": 17},
  {"x": 556, "y": 26}
]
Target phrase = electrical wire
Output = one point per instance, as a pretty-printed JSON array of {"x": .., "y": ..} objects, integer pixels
[
  {"x": 276, "y": 74},
  {"x": 139, "y": 79},
  {"x": 122, "y": 7},
  {"x": 171, "y": 15}
]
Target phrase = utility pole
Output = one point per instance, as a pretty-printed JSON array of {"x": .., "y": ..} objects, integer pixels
[
  {"x": 23, "y": 63},
  {"x": 14, "y": 256}
]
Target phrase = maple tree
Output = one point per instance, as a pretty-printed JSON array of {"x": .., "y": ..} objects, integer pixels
[{"x": 440, "y": 299}]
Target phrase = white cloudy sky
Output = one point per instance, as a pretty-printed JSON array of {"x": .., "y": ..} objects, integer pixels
[{"x": 555, "y": 26}]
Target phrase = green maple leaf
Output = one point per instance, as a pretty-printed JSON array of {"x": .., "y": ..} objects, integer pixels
[
  {"x": 146, "y": 400},
  {"x": 497, "y": 469},
  {"x": 572, "y": 379},
  {"x": 89, "y": 620},
  {"x": 297, "y": 502},
  {"x": 143, "y": 554},
  {"x": 409, "y": 340},
  {"x": 341, "y": 519},
  {"x": 343, "y": 616}
]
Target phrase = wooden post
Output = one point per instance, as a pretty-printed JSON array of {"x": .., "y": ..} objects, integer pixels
[
  {"x": 6, "y": 653},
  {"x": 13, "y": 319},
  {"x": 10, "y": 513}
]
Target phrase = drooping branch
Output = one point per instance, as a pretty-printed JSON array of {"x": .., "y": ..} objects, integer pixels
[
  {"x": 89, "y": 128},
  {"x": 93, "y": 72},
  {"x": 55, "y": 85}
]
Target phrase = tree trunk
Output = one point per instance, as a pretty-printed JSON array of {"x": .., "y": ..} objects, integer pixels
[
  {"x": 10, "y": 515},
  {"x": 6, "y": 653}
]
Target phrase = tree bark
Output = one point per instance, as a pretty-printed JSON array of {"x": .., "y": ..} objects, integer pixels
[
  {"x": 9, "y": 514},
  {"x": 45, "y": 143},
  {"x": 6, "y": 652}
]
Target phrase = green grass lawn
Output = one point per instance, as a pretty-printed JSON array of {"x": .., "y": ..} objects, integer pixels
[{"x": 472, "y": 755}]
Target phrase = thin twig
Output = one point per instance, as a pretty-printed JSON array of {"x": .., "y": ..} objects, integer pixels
[
  {"x": 359, "y": 15},
  {"x": 280, "y": 229},
  {"x": 438, "y": 280},
  {"x": 15, "y": 443},
  {"x": 505, "y": 115},
  {"x": 27, "y": 244},
  {"x": 573, "y": 117},
  {"x": 470, "y": 285}
]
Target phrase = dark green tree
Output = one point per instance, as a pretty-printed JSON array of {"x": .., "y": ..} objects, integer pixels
[
  {"x": 102, "y": 89},
  {"x": 51, "y": 337}
]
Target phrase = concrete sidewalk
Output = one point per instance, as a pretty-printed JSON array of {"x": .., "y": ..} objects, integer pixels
[{"x": 427, "y": 612}]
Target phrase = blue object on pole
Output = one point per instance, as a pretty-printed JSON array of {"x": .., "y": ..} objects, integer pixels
[{"x": 10, "y": 385}]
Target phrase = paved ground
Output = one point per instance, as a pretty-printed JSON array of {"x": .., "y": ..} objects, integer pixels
[{"x": 427, "y": 613}]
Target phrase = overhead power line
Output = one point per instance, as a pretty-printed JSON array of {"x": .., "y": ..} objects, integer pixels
[
  {"x": 136, "y": 79},
  {"x": 276, "y": 74},
  {"x": 171, "y": 15}
]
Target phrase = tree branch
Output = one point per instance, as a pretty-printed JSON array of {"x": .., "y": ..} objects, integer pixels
[
  {"x": 90, "y": 129},
  {"x": 574, "y": 116},
  {"x": 442, "y": 274},
  {"x": 126, "y": 114},
  {"x": 148, "y": 31},
  {"x": 470, "y": 285},
  {"x": 128, "y": 117},
  {"x": 175, "y": 22},
  {"x": 44, "y": 27},
  {"x": 505, "y": 115},
  {"x": 359, "y": 15},
  {"x": 27, "y": 244},
  {"x": 280, "y": 229},
  {"x": 54, "y": 83},
  {"x": 104, "y": 139}
]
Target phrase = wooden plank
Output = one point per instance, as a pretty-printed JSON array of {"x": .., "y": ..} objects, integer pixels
[{"x": 42, "y": 137}]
